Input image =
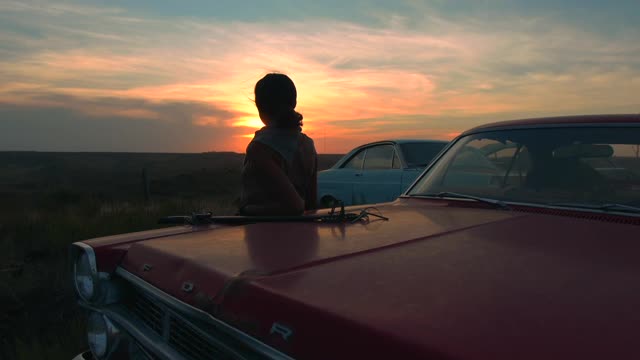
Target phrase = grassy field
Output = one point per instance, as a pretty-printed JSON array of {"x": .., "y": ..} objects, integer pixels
[{"x": 49, "y": 200}]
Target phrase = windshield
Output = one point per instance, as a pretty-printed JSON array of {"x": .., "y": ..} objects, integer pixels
[
  {"x": 420, "y": 154},
  {"x": 576, "y": 165}
]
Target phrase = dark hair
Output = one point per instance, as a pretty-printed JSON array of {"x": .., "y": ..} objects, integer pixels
[{"x": 275, "y": 97}]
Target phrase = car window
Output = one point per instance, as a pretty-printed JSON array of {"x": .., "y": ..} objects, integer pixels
[
  {"x": 420, "y": 154},
  {"x": 395, "y": 164},
  {"x": 622, "y": 165},
  {"x": 588, "y": 165},
  {"x": 379, "y": 157},
  {"x": 488, "y": 162},
  {"x": 356, "y": 161}
]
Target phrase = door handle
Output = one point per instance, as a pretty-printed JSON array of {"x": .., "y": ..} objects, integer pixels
[{"x": 359, "y": 174}]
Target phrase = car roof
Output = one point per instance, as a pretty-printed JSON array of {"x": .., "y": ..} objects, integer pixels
[
  {"x": 559, "y": 120},
  {"x": 405, "y": 141}
]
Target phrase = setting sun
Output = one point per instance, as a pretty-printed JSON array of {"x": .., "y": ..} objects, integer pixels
[{"x": 250, "y": 122}]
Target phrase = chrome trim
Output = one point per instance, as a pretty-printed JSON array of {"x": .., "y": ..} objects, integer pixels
[
  {"x": 397, "y": 151},
  {"x": 92, "y": 255},
  {"x": 84, "y": 356},
  {"x": 114, "y": 335},
  {"x": 169, "y": 318},
  {"x": 106, "y": 291},
  {"x": 136, "y": 347},
  {"x": 137, "y": 331},
  {"x": 191, "y": 311},
  {"x": 76, "y": 249},
  {"x": 104, "y": 276}
]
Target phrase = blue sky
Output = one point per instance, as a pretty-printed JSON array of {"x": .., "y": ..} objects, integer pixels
[{"x": 178, "y": 76}]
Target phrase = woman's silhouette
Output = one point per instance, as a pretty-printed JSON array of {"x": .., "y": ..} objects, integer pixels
[{"x": 279, "y": 176}]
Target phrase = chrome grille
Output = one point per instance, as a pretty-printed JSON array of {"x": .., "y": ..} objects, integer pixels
[
  {"x": 189, "y": 342},
  {"x": 148, "y": 312},
  {"x": 180, "y": 334},
  {"x": 138, "y": 352}
]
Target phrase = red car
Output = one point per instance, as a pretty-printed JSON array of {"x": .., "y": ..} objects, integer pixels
[{"x": 531, "y": 253}]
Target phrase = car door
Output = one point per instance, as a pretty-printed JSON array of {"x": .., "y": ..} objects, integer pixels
[
  {"x": 338, "y": 183},
  {"x": 381, "y": 176}
]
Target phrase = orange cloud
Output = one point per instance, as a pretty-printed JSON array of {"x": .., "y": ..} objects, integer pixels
[
  {"x": 452, "y": 135},
  {"x": 344, "y": 72}
]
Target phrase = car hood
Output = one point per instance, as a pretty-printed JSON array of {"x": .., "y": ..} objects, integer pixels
[
  {"x": 435, "y": 280},
  {"x": 517, "y": 287},
  {"x": 210, "y": 259}
]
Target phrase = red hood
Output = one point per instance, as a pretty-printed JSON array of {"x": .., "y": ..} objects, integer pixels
[
  {"x": 449, "y": 282},
  {"x": 210, "y": 259},
  {"x": 528, "y": 287},
  {"x": 111, "y": 249}
]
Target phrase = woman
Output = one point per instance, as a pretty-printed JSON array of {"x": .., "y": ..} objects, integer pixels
[{"x": 279, "y": 176}]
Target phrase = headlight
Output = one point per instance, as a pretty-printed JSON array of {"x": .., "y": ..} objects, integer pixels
[
  {"x": 85, "y": 281},
  {"x": 97, "y": 334},
  {"x": 96, "y": 288},
  {"x": 85, "y": 271},
  {"x": 102, "y": 335}
]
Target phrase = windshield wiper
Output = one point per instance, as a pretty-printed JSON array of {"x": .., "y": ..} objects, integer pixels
[
  {"x": 602, "y": 207},
  {"x": 497, "y": 203}
]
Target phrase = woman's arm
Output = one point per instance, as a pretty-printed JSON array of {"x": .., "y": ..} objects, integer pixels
[
  {"x": 312, "y": 194},
  {"x": 288, "y": 201}
]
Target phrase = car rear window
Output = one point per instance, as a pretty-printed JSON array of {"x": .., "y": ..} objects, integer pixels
[{"x": 420, "y": 154}]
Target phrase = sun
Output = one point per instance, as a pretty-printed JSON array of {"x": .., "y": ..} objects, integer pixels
[{"x": 249, "y": 121}]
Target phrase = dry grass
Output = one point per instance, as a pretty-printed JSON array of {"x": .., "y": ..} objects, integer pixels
[
  {"x": 52, "y": 200},
  {"x": 35, "y": 289}
]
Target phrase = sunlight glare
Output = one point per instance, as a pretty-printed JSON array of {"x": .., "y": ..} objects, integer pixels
[{"x": 250, "y": 122}]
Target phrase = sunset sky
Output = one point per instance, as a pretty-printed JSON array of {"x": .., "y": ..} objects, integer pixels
[{"x": 178, "y": 76}]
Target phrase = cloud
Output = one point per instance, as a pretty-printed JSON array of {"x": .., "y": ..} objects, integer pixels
[
  {"x": 67, "y": 123},
  {"x": 356, "y": 81},
  {"x": 48, "y": 8}
]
